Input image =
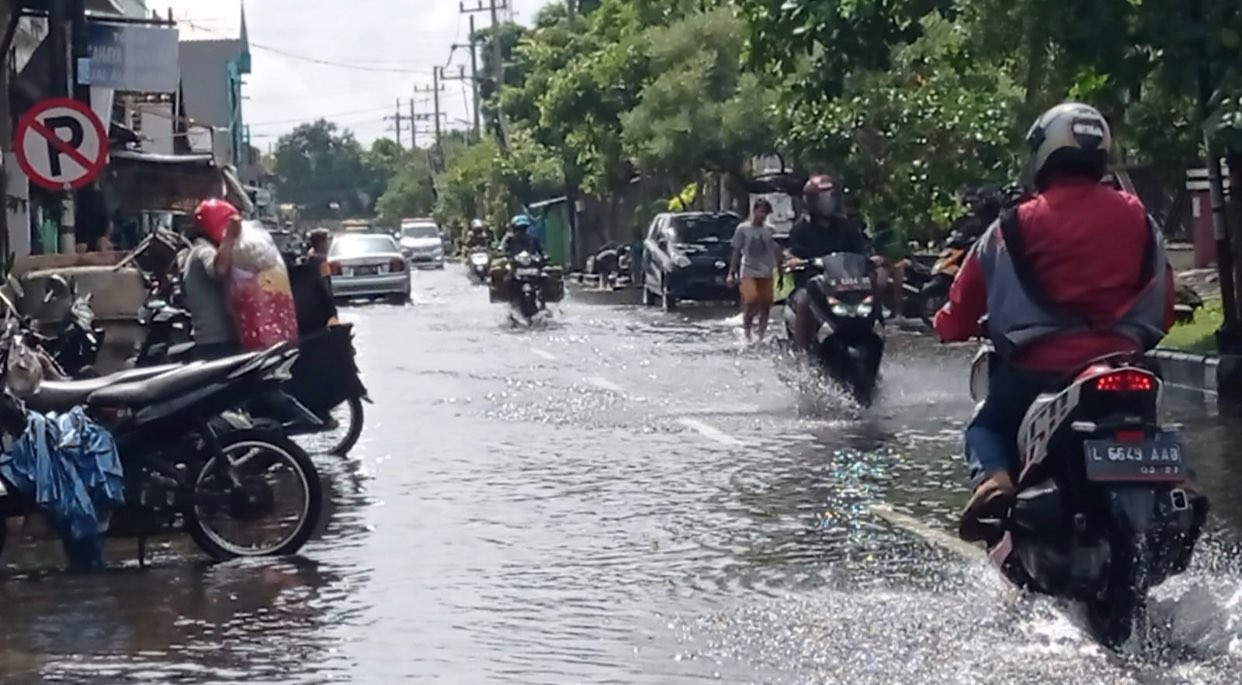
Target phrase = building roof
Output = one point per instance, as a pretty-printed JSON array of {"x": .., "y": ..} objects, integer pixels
[
  {"x": 208, "y": 43},
  {"x": 208, "y": 21}
]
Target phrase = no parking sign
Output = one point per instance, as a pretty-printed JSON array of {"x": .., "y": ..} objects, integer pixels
[{"x": 61, "y": 144}]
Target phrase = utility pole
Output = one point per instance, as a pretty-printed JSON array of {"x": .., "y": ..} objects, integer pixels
[
  {"x": 571, "y": 12},
  {"x": 474, "y": 77},
  {"x": 435, "y": 94},
  {"x": 397, "y": 118},
  {"x": 414, "y": 128},
  {"x": 461, "y": 76},
  {"x": 434, "y": 90},
  {"x": 498, "y": 68}
]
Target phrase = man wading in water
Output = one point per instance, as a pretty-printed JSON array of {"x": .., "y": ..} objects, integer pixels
[{"x": 755, "y": 257}]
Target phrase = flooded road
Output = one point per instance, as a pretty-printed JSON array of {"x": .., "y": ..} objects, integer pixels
[{"x": 622, "y": 497}]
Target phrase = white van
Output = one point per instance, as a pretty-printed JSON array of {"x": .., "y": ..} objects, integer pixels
[{"x": 421, "y": 243}]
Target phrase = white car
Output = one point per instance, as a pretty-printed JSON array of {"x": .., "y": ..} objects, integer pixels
[
  {"x": 421, "y": 243},
  {"x": 368, "y": 265}
]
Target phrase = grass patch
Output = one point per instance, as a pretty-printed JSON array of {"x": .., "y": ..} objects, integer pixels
[{"x": 1198, "y": 335}]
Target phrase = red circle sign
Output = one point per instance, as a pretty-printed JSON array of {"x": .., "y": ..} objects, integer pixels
[{"x": 61, "y": 144}]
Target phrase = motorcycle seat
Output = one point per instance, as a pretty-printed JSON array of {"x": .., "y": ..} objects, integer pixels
[
  {"x": 158, "y": 388},
  {"x": 181, "y": 352},
  {"x": 64, "y": 395}
]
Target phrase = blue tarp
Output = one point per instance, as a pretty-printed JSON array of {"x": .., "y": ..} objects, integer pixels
[{"x": 70, "y": 465}]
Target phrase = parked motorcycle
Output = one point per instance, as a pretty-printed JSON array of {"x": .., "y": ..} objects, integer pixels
[
  {"x": 1103, "y": 512},
  {"x": 935, "y": 291},
  {"x": 849, "y": 339},
  {"x": 180, "y": 471},
  {"x": 76, "y": 343},
  {"x": 478, "y": 262}
]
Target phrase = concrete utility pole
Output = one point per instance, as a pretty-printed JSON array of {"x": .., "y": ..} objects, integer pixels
[
  {"x": 498, "y": 68},
  {"x": 461, "y": 76},
  {"x": 435, "y": 94},
  {"x": 397, "y": 118},
  {"x": 414, "y": 128},
  {"x": 474, "y": 77}
]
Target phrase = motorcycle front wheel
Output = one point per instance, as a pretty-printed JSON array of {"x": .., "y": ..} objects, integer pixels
[
  {"x": 342, "y": 433},
  {"x": 237, "y": 495}
]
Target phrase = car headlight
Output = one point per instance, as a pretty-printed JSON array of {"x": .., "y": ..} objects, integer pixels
[{"x": 681, "y": 261}]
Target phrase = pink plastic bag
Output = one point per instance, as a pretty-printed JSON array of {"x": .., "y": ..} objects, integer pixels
[{"x": 259, "y": 291}]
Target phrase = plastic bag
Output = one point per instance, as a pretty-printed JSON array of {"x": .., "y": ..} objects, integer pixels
[{"x": 259, "y": 291}]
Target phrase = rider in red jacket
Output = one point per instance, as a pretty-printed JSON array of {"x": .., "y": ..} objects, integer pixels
[{"x": 1077, "y": 272}]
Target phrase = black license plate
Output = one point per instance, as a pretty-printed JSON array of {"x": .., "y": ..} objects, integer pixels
[
  {"x": 1157, "y": 459},
  {"x": 366, "y": 270}
]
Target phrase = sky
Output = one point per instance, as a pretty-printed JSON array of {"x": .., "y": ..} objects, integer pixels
[{"x": 387, "y": 46}]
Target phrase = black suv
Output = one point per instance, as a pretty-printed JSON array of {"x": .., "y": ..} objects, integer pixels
[{"x": 686, "y": 257}]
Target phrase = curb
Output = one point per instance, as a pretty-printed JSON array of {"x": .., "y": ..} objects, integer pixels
[{"x": 1189, "y": 372}]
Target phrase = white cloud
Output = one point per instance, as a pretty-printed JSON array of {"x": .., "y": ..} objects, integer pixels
[{"x": 409, "y": 37}]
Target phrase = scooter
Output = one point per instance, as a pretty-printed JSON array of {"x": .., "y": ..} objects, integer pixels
[
  {"x": 849, "y": 338},
  {"x": 478, "y": 263},
  {"x": 935, "y": 291},
  {"x": 1103, "y": 511},
  {"x": 527, "y": 284}
]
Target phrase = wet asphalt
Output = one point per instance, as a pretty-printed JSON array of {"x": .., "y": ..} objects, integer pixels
[{"x": 621, "y": 496}]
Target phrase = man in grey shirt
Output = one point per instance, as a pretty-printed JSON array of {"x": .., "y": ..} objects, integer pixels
[
  {"x": 756, "y": 256},
  {"x": 204, "y": 279}
]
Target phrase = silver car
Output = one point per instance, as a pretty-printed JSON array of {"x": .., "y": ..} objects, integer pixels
[{"x": 368, "y": 265}]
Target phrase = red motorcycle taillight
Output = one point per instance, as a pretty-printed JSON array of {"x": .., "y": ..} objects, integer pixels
[
  {"x": 396, "y": 265},
  {"x": 1125, "y": 380}
]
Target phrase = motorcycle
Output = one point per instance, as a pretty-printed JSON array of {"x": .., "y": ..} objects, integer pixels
[
  {"x": 77, "y": 341},
  {"x": 935, "y": 290},
  {"x": 180, "y": 470},
  {"x": 1102, "y": 512},
  {"x": 526, "y": 288},
  {"x": 478, "y": 262},
  {"x": 849, "y": 338}
]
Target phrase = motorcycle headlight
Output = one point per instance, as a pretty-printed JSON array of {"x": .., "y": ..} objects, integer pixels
[
  {"x": 681, "y": 261},
  {"x": 864, "y": 309},
  {"x": 524, "y": 259},
  {"x": 840, "y": 309}
]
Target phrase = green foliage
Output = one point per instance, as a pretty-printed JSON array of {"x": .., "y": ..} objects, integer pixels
[
  {"x": 318, "y": 165},
  {"x": 480, "y": 182},
  {"x": 1198, "y": 335}
]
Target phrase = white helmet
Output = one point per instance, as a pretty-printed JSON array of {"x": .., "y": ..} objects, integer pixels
[{"x": 1071, "y": 136}]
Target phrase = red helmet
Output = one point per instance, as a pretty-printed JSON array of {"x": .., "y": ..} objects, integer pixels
[
  {"x": 213, "y": 216},
  {"x": 819, "y": 183}
]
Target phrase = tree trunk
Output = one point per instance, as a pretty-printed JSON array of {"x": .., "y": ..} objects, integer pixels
[{"x": 1233, "y": 213}]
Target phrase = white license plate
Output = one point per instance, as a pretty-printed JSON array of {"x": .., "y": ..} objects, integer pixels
[
  {"x": 366, "y": 270},
  {"x": 527, "y": 273},
  {"x": 1158, "y": 459}
]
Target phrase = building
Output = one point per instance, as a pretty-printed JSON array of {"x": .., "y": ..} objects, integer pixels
[{"x": 215, "y": 57}]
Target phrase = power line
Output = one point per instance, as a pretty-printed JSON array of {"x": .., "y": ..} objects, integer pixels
[
  {"x": 316, "y": 60},
  {"x": 320, "y": 116}
]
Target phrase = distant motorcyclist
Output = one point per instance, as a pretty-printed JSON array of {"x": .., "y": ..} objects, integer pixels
[
  {"x": 822, "y": 230},
  {"x": 1076, "y": 273},
  {"x": 983, "y": 205},
  {"x": 477, "y": 238},
  {"x": 519, "y": 238}
]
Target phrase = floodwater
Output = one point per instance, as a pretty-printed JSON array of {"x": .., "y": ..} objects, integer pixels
[{"x": 622, "y": 496}]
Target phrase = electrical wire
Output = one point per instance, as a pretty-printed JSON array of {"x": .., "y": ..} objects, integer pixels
[{"x": 310, "y": 59}]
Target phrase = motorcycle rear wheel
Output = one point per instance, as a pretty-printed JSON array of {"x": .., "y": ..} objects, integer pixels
[
  {"x": 249, "y": 444},
  {"x": 1123, "y": 603}
]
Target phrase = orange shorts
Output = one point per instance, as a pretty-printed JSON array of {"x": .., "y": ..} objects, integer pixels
[{"x": 756, "y": 291}]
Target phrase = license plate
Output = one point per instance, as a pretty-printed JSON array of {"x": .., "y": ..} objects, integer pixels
[
  {"x": 527, "y": 273},
  {"x": 1158, "y": 459},
  {"x": 366, "y": 270}
]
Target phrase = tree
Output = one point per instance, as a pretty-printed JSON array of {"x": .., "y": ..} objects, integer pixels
[
  {"x": 697, "y": 112},
  {"x": 409, "y": 192},
  {"x": 318, "y": 165}
]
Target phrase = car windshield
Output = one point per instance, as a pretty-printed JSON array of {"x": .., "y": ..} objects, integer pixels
[
  {"x": 707, "y": 228},
  {"x": 359, "y": 245},
  {"x": 420, "y": 231}
]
